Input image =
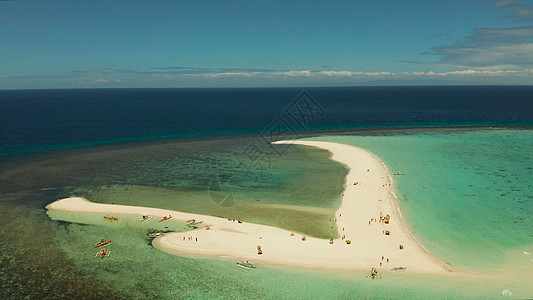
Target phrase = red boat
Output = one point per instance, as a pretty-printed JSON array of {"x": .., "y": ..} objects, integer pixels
[
  {"x": 101, "y": 243},
  {"x": 110, "y": 218},
  {"x": 166, "y": 218},
  {"x": 103, "y": 253}
]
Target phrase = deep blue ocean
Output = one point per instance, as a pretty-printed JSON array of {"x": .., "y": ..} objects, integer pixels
[{"x": 34, "y": 120}]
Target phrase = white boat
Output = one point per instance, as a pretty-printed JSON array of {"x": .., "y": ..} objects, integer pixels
[{"x": 245, "y": 265}]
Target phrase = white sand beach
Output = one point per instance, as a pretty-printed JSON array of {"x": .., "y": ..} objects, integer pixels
[{"x": 358, "y": 220}]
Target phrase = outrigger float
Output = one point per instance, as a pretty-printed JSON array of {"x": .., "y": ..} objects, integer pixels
[
  {"x": 101, "y": 243},
  {"x": 103, "y": 253},
  {"x": 245, "y": 265}
]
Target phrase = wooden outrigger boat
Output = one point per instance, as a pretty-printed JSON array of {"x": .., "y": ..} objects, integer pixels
[
  {"x": 156, "y": 234},
  {"x": 103, "y": 253},
  {"x": 165, "y": 218},
  {"x": 245, "y": 265},
  {"x": 144, "y": 217},
  {"x": 192, "y": 222},
  {"x": 101, "y": 243},
  {"x": 110, "y": 218}
]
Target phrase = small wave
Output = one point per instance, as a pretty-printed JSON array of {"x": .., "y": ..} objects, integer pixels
[
  {"x": 506, "y": 293},
  {"x": 526, "y": 252}
]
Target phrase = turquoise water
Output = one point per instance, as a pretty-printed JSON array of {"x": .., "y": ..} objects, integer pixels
[
  {"x": 441, "y": 207},
  {"x": 467, "y": 195}
]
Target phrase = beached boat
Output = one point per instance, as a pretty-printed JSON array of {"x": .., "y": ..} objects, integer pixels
[
  {"x": 110, "y": 218},
  {"x": 156, "y": 234},
  {"x": 398, "y": 269},
  {"x": 245, "y": 265},
  {"x": 192, "y": 222},
  {"x": 195, "y": 223},
  {"x": 165, "y": 218},
  {"x": 103, "y": 253},
  {"x": 101, "y": 243},
  {"x": 144, "y": 217}
]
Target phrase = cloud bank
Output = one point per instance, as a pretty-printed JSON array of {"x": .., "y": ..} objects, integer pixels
[
  {"x": 495, "y": 48},
  {"x": 192, "y": 77}
]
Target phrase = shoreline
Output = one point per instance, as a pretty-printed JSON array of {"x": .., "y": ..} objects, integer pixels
[
  {"x": 404, "y": 226},
  {"x": 368, "y": 248}
]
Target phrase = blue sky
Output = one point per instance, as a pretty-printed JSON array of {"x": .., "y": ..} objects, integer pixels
[{"x": 103, "y": 44}]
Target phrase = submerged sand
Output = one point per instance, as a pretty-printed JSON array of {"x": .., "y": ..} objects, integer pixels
[{"x": 358, "y": 220}]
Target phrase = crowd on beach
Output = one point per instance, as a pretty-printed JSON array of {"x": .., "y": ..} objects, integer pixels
[{"x": 382, "y": 219}]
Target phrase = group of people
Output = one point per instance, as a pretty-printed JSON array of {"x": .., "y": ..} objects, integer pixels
[
  {"x": 382, "y": 260},
  {"x": 374, "y": 273},
  {"x": 190, "y": 238},
  {"x": 238, "y": 220},
  {"x": 385, "y": 219}
]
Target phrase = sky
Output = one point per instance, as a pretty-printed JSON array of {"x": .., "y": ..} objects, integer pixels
[{"x": 179, "y": 43}]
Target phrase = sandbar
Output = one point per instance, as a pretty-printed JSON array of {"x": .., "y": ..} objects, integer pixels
[{"x": 367, "y": 199}]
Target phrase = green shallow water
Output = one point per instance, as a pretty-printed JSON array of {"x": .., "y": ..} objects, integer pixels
[
  {"x": 299, "y": 190},
  {"x": 56, "y": 259}
]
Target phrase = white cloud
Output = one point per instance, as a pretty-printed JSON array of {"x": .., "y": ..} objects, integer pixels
[
  {"x": 482, "y": 73},
  {"x": 339, "y": 73},
  {"x": 487, "y": 75},
  {"x": 304, "y": 73},
  {"x": 358, "y": 74}
]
